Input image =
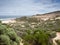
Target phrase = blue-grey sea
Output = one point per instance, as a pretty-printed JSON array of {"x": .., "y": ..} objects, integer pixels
[{"x": 8, "y": 17}]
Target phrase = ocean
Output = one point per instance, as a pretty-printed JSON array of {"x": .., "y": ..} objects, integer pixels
[{"x": 8, "y": 17}]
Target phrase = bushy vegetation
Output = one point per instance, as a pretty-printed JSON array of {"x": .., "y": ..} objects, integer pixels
[
  {"x": 32, "y": 31},
  {"x": 8, "y": 36},
  {"x": 38, "y": 37},
  {"x": 40, "y": 34},
  {"x": 49, "y": 24},
  {"x": 28, "y": 19}
]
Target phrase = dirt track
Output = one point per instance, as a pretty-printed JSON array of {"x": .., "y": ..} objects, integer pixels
[
  {"x": 21, "y": 43},
  {"x": 56, "y": 38}
]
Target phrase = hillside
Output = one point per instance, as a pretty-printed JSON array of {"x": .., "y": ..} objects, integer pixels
[
  {"x": 47, "y": 16},
  {"x": 38, "y": 29},
  {"x": 48, "y": 21}
]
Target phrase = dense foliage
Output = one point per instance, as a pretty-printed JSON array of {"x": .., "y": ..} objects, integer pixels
[
  {"x": 31, "y": 30},
  {"x": 8, "y": 36},
  {"x": 38, "y": 37},
  {"x": 44, "y": 33},
  {"x": 50, "y": 24}
]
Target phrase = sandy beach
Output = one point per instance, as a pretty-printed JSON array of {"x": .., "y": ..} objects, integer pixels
[{"x": 8, "y": 21}]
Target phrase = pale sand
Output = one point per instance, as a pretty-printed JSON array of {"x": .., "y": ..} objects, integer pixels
[
  {"x": 8, "y": 21},
  {"x": 21, "y": 42},
  {"x": 56, "y": 38}
]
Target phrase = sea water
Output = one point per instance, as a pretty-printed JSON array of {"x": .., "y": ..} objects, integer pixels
[{"x": 8, "y": 17}]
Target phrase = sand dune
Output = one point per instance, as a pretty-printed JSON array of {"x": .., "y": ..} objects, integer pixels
[{"x": 9, "y": 21}]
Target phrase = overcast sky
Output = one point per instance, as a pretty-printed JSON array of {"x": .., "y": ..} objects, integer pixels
[{"x": 28, "y": 7}]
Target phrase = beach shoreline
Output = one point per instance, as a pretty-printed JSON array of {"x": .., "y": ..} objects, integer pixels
[{"x": 8, "y": 20}]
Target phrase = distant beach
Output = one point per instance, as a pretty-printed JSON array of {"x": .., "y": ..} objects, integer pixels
[
  {"x": 3, "y": 18},
  {"x": 8, "y": 19}
]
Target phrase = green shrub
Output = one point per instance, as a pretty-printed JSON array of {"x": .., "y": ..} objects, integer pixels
[
  {"x": 2, "y": 29},
  {"x": 13, "y": 43},
  {"x": 8, "y": 36},
  {"x": 4, "y": 39},
  {"x": 37, "y": 37}
]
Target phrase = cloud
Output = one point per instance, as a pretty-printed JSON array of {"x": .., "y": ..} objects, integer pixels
[{"x": 27, "y": 7}]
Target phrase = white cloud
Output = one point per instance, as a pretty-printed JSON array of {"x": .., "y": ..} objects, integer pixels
[{"x": 28, "y": 7}]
